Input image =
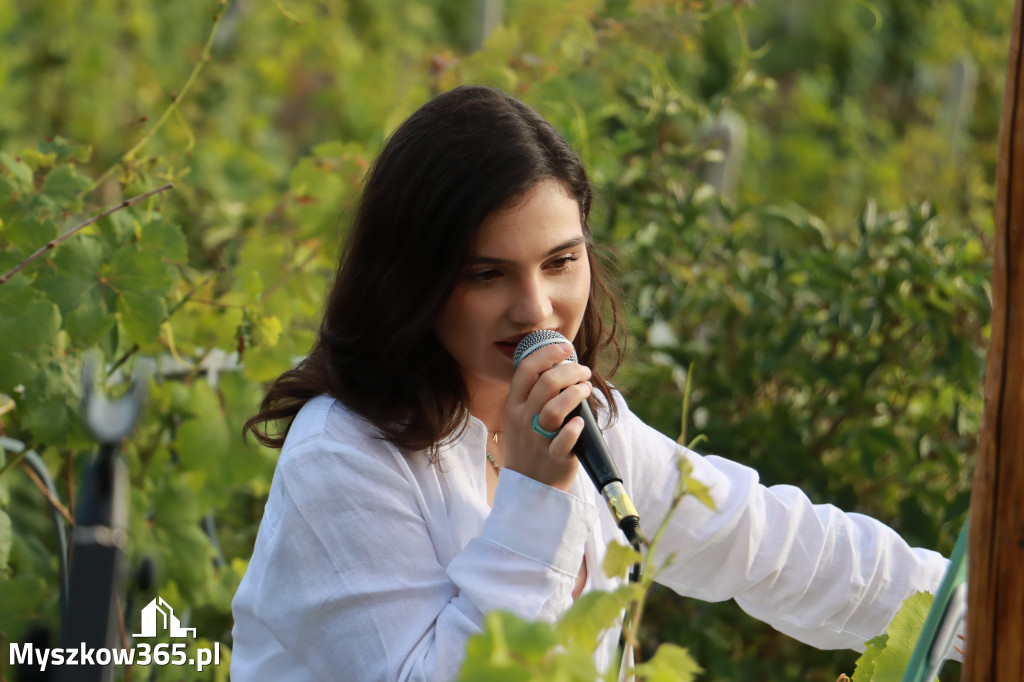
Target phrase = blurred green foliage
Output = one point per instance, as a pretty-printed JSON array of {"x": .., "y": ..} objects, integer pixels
[{"x": 834, "y": 305}]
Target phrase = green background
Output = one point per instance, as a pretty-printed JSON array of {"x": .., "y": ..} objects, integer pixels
[{"x": 833, "y": 301}]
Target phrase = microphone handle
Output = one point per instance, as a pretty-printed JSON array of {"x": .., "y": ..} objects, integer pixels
[{"x": 592, "y": 451}]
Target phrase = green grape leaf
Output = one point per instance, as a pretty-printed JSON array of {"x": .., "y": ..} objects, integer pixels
[
  {"x": 201, "y": 441},
  {"x": 29, "y": 235},
  {"x": 35, "y": 159},
  {"x": 88, "y": 324},
  {"x": 265, "y": 363},
  {"x": 211, "y": 449},
  {"x": 118, "y": 227},
  {"x": 15, "y": 368},
  {"x": 7, "y": 191},
  {"x": 619, "y": 559},
  {"x": 253, "y": 287},
  {"x": 142, "y": 312},
  {"x": 165, "y": 239},
  {"x": 267, "y": 331},
  {"x": 75, "y": 273},
  {"x": 75, "y": 282},
  {"x": 66, "y": 151},
  {"x": 135, "y": 269},
  {"x": 29, "y": 322},
  {"x": 183, "y": 549},
  {"x": 699, "y": 490},
  {"x": 64, "y": 185},
  {"x": 865, "y": 667},
  {"x": 140, "y": 279},
  {"x": 887, "y": 656},
  {"x": 507, "y": 649},
  {"x": 28, "y": 325},
  {"x": 903, "y": 632},
  {"x": 19, "y": 601},
  {"x": 593, "y": 612},
  {"x": 19, "y": 170},
  {"x": 50, "y": 420},
  {"x": 670, "y": 663}
]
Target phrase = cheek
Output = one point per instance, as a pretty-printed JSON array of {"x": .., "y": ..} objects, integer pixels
[
  {"x": 449, "y": 323},
  {"x": 461, "y": 320},
  {"x": 581, "y": 291}
]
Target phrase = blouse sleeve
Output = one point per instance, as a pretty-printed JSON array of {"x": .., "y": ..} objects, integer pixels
[
  {"x": 347, "y": 577},
  {"x": 828, "y": 578}
]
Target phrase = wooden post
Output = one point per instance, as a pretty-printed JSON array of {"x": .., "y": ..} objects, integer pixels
[{"x": 995, "y": 604}]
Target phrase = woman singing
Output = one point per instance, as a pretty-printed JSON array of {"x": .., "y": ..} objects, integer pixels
[{"x": 423, "y": 483}]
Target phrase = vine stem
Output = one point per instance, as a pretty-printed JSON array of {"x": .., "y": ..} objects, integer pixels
[
  {"x": 175, "y": 100},
  {"x": 54, "y": 243},
  {"x": 48, "y": 495}
]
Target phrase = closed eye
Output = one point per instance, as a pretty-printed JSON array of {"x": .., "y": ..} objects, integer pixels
[
  {"x": 483, "y": 277},
  {"x": 563, "y": 263}
]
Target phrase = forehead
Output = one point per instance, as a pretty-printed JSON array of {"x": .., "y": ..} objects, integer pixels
[{"x": 547, "y": 215}]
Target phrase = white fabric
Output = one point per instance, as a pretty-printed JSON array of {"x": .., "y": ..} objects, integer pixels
[{"x": 373, "y": 566}]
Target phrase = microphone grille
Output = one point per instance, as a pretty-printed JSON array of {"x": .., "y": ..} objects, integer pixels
[{"x": 537, "y": 340}]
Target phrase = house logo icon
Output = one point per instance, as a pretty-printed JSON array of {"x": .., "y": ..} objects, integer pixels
[{"x": 157, "y": 613}]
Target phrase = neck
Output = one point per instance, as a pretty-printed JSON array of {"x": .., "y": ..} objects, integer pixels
[{"x": 487, "y": 403}]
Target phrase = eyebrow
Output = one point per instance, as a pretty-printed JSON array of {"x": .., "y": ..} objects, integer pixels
[{"x": 567, "y": 244}]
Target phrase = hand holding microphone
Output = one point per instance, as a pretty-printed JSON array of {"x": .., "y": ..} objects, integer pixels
[
  {"x": 544, "y": 391},
  {"x": 580, "y": 429}
]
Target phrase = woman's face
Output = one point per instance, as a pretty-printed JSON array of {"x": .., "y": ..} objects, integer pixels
[{"x": 528, "y": 270}]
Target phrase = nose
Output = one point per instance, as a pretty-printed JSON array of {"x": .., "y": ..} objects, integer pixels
[{"x": 531, "y": 306}]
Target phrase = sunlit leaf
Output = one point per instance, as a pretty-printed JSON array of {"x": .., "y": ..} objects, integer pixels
[
  {"x": 619, "y": 559},
  {"x": 267, "y": 330},
  {"x": 19, "y": 170},
  {"x": 594, "y": 612},
  {"x": 670, "y": 663},
  {"x": 891, "y": 663},
  {"x": 865, "y": 667},
  {"x": 506, "y": 648}
]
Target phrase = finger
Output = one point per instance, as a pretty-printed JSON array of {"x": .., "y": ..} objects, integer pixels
[
  {"x": 556, "y": 380},
  {"x": 532, "y": 366},
  {"x": 561, "y": 445},
  {"x": 556, "y": 410}
]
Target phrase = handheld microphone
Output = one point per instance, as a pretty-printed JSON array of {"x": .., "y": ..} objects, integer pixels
[{"x": 590, "y": 448}]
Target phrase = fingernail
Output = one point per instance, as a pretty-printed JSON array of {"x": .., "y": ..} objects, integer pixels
[{"x": 566, "y": 348}]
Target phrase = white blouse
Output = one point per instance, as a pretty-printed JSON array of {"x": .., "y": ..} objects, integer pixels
[{"x": 370, "y": 565}]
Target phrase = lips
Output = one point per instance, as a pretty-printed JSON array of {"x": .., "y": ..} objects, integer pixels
[
  {"x": 508, "y": 349},
  {"x": 508, "y": 345}
]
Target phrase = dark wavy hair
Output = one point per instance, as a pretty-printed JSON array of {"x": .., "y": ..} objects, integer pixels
[{"x": 459, "y": 157}]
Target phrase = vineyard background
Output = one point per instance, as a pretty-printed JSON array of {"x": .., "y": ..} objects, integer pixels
[{"x": 797, "y": 197}]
